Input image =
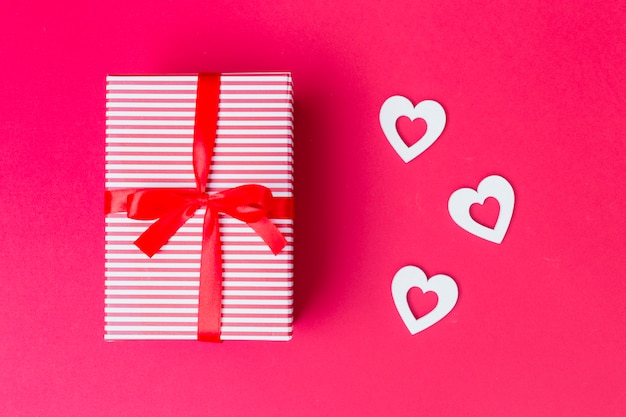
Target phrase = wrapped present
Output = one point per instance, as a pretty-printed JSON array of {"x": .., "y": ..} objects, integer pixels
[{"x": 199, "y": 207}]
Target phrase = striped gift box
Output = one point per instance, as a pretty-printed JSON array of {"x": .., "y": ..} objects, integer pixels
[{"x": 149, "y": 135}]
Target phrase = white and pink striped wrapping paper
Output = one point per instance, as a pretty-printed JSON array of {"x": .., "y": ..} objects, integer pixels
[{"x": 149, "y": 135}]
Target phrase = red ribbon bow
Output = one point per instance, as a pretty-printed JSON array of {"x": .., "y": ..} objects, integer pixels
[{"x": 172, "y": 207}]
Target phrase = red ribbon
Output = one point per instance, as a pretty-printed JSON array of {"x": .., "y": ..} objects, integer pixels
[{"x": 172, "y": 207}]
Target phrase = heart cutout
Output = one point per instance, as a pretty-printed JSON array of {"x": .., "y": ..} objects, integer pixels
[
  {"x": 486, "y": 213},
  {"x": 410, "y": 277},
  {"x": 429, "y": 110},
  {"x": 411, "y": 131},
  {"x": 420, "y": 302},
  {"x": 461, "y": 202}
]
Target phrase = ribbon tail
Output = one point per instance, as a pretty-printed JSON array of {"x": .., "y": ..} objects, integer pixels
[
  {"x": 210, "y": 293},
  {"x": 160, "y": 232},
  {"x": 270, "y": 234}
]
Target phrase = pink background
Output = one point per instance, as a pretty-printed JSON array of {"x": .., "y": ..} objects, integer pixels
[{"x": 534, "y": 93}]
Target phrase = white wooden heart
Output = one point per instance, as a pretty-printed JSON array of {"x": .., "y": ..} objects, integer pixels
[
  {"x": 410, "y": 277},
  {"x": 397, "y": 106},
  {"x": 493, "y": 186}
]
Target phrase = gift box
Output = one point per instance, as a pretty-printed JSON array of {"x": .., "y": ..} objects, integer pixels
[{"x": 199, "y": 203}]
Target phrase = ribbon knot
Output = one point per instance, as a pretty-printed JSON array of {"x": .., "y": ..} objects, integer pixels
[{"x": 202, "y": 199}]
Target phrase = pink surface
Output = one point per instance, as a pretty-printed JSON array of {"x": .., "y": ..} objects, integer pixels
[{"x": 533, "y": 93}]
